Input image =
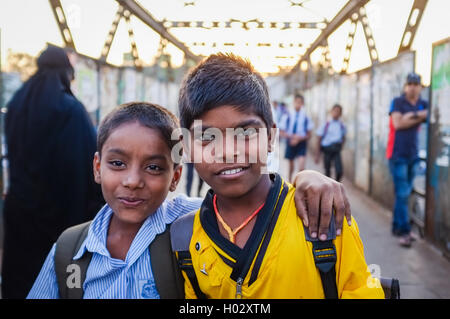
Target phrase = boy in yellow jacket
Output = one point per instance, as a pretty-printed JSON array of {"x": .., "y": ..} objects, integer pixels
[{"x": 247, "y": 240}]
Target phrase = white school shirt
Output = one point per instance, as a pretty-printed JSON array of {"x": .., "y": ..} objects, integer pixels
[
  {"x": 335, "y": 132},
  {"x": 302, "y": 117}
]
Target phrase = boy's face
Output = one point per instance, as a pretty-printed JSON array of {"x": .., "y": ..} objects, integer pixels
[
  {"x": 335, "y": 113},
  {"x": 233, "y": 163},
  {"x": 135, "y": 171},
  {"x": 298, "y": 103}
]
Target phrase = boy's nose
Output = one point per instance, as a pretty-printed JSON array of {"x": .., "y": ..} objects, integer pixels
[
  {"x": 230, "y": 147},
  {"x": 133, "y": 180}
]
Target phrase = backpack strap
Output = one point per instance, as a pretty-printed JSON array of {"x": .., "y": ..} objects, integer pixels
[
  {"x": 324, "y": 253},
  {"x": 168, "y": 278},
  {"x": 325, "y": 130},
  {"x": 67, "y": 245},
  {"x": 180, "y": 236}
]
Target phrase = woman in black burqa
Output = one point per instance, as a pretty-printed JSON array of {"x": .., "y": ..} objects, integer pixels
[{"x": 51, "y": 143}]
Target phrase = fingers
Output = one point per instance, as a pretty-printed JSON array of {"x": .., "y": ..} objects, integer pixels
[
  {"x": 301, "y": 207},
  {"x": 339, "y": 208},
  {"x": 326, "y": 207},
  {"x": 313, "y": 203},
  {"x": 348, "y": 212}
]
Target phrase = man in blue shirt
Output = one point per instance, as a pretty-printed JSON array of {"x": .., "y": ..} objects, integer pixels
[
  {"x": 407, "y": 112},
  {"x": 331, "y": 139}
]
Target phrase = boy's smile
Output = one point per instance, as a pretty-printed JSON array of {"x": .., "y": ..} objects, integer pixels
[{"x": 136, "y": 171}]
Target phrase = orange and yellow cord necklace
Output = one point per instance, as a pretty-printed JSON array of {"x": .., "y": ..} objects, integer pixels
[{"x": 232, "y": 233}]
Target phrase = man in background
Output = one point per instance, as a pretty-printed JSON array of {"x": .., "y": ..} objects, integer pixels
[{"x": 407, "y": 112}]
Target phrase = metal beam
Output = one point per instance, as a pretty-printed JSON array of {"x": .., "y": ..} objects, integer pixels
[
  {"x": 111, "y": 34},
  {"x": 415, "y": 15},
  {"x": 350, "y": 41},
  {"x": 61, "y": 20},
  {"x": 344, "y": 14},
  {"x": 247, "y": 25},
  {"x": 134, "y": 51},
  {"x": 142, "y": 14},
  {"x": 373, "y": 52}
]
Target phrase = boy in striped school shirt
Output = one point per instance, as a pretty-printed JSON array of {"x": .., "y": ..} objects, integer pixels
[{"x": 136, "y": 171}]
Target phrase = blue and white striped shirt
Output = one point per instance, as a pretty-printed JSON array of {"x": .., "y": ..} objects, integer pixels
[{"x": 111, "y": 278}]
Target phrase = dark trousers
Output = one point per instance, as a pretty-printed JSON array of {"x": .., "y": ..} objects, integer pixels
[{"x": 332, "y": 154}]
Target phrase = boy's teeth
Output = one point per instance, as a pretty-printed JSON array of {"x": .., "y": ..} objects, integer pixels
[{"x": 231, "y": 171}]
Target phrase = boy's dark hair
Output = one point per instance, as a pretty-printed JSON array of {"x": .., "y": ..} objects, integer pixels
[
  {"x": 299, "y": 96},
  {"x": 149, "y": 115},
  {"x": 223, "y": 79},
  {"x": 337, "y": 106}
]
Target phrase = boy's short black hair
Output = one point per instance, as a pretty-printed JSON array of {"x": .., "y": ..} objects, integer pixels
[
  {"x": 223, "y": 79},
  {"x": 337, "y": 106},
  {"x": 149, "y": 115},
  {"x": 299, "y": 96}
]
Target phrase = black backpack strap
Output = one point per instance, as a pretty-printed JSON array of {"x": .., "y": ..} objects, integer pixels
[
  {"x": 185, "y": 264},
  {"x": 180, "y": 237},
  {"x": 391, "y": 288},
  {"x": 324, "y": 253},
  {"x": 67, "y": 245},
  {"x": 168, "y": 278}
]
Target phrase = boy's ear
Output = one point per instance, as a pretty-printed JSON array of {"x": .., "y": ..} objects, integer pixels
[
  {"x": 176, "y": 177},
  {"x": 272, "y": 137},
  {"x": 96, "y": 167}
]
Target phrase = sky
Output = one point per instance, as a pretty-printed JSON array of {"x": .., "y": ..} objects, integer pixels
[{"x": 26, "y": 25}]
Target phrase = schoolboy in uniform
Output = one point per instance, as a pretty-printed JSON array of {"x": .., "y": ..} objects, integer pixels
[
  {"x": 298, "y": 132},
  {"x": 135, "y": 168},
  {"x": 331, "y": 140},
  {"x": 247, "y": 241}
]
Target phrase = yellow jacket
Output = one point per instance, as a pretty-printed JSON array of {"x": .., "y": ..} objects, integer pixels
[{"x": 284, "y": 266}]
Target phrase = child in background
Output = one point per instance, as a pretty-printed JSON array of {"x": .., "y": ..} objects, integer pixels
[
  {"x": 331, "y": 140},
  {"x": 298, "y": 131}
]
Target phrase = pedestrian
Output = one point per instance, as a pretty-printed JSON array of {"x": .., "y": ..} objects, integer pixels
[
  {"x": 331, "y": 141},
  {"x": 190, "y": 180},
  {"x": 245, "y": 241},
  {"x": 406, "y": 112},
  {"x": 51, "y": 143},
  {"x": 298, "y": 131}
]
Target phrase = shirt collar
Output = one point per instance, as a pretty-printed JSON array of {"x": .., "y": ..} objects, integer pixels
[{"x": 95, "y": 241}]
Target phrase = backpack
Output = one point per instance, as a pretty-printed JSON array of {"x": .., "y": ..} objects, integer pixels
[
  {"x": 324, "y": 253},
  {"x": 170, "y": 255},
  {"x": 168, "y": 278}
]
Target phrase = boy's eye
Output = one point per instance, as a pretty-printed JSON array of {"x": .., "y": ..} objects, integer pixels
[
  {"x": 245, "y": 133},
  {"x": 117, "y": 163},
  {"x": 205, "y": 137},
  {"x": 153, "y": 167}
]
